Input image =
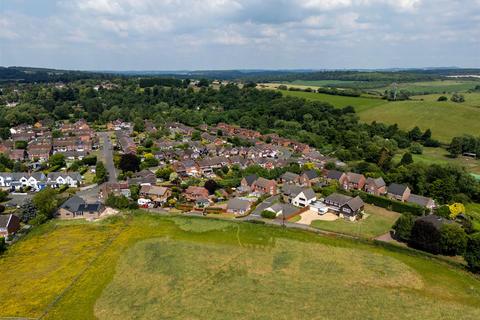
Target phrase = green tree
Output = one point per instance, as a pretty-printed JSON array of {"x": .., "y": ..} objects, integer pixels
[
  {"x": 129, "y": 163},
  {"x": 46, "y": 203},
  {"x": 101, "y": 174},
  {"x": 456, "y": 146},
  {"x": 456, "y": 97},
  {"x": 425, "y": 236},
  {"x": 403, "y": 227},
  {"x": 268, "y": 214},
  {"x": 406, "y": 159},
  {"x": 472, "y": 252},
  {"x": 415, "y": 134},
  {"x": 57, "y": 160},
  {"x": 416, "y": 148},
  {"x": 453, "y": 239}
]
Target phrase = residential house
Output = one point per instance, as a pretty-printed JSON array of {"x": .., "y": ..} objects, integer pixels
[
  {"x": 157, "y": 194},
  {"x": 75, "y": 208},
  {"x": 193, "y": 193},
  {"x": 309, "y": 178},
  {"x": 399, "y": 192},
  {"x": 290, "y": 177},
  {"x": 70, "y": 179},
  {"x": 265, "y": 186},
  {"x": 9, "y": 224},
  {"x": 283, "y": 210},
  {"x": 338, "y": 176},
  {"x": 375, "y": 186},
  {"x": 143, "y": 177},
  {"x": 238, "y": 206},
  {"x": 18, "y": 180},
  {"x": 345, "y": 206},
  {"x": 246, "y": 185},
  {"x": 422, "y": 201},
  {"x": 17, "y": 155},
  {"x": 354, "y": 181},
  {"x": 115, "y": 188},
  {"x": 298, "y": 196}
]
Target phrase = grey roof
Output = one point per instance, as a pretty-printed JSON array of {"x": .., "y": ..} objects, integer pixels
[
  {"x": 341, "y": 199},
  {"x": 311, "y": 174},
  {"x": 73, "y": 204},
  {"x": 397, "y": 189},
  {"x": 262, "y": 182},
  {"x": 90, "y": 207},
  {"x": 420, "y": 200},
  {"x": 309, "y": 193},
  {"x": 293, "y": 191},
  {"x": 378, "y": 182},
  {"x": 289, "y": 176},
  {"x": 355, "y": 203},
  {"x": 74, "y": 175},
  {"x": 238, "y": 204},
  {"x": 251, "y": 179},
  {"x": 334, "y": 174}
]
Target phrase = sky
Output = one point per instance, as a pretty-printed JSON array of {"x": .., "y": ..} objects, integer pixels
[{"x": 239, "y": 34}]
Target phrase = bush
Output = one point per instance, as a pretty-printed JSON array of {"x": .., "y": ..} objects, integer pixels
[
  {"x": 472, "y": 252},
  {"x": 3, "y": 245},
  {"x": 268, "y": 214},
  {"x": 416, "y": 148},
  {"x": 453, "y": 239},
  {"x": 425, "y": 236},
  {"x": 442, "y": 98},
  {"x": 403, "y": 227}
]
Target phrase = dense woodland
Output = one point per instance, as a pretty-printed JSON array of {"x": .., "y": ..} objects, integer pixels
[{"x": 368, "y": 148}]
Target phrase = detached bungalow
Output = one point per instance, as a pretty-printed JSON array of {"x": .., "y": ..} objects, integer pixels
[
  {"x": 425, "y": 202},
  {"x": 157, "y": 194},
  {"x": 238, "y": 206},
  {"x": 194, "y": 193},
  {"x": 77, "y": 208}
]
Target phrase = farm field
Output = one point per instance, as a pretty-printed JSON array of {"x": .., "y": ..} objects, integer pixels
[
  {"x": 378, "y": 222},
  {"x": 359, "y": 103},
  {"x": 439, "y": 156},
  {"x": 440, "y": 86},
  {"x": 152, "y": 267},
  {"x": 445, "y": 119}
]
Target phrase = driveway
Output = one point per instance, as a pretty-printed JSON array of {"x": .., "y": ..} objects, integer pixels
[{"x": 307, "y": 217}]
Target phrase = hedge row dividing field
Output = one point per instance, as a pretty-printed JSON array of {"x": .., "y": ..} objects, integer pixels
[{"x": 151, "y": 267}]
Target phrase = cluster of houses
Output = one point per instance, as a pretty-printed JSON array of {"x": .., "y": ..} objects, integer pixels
[
  {"x": 37, "y": 143},
  {"x": 16, "y": 181},
  {"x": 377, "y": 186}
]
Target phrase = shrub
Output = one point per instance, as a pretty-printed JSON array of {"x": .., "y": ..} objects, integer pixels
[
  {"x": 268, "y": 214},
  {"x": 425, "y": 236},
  {"x": 442, "y": 98},
  {"x": 403, "y": 227},
  {"x": 453, "y": 239},
  {"x": 472, "y": 252}
]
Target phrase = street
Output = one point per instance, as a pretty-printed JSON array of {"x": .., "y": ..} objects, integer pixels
[{"x": 108, "y": 156}]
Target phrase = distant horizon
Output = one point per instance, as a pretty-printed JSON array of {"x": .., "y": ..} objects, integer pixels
[{"x": 306, "y": 70}]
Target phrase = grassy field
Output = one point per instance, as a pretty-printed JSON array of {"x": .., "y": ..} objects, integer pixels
[
  {"x": 445, "y": 119},
  {"x": 440, "y": 156},
  {"x": 440, "y": 86},
  {"x": 147, "y": 267},
  {"x": 379, "y": 221},
  {"x": 360, "y": 103}
]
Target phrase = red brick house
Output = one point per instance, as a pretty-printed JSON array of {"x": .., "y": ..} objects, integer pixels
[
  {"x": 375, "y": 186},
  {"x": 194, "y": 193},
  {"x": 399, "y": 192},
  {"x": 265, "y": 186},
  {"x": 354, "y": 181}
]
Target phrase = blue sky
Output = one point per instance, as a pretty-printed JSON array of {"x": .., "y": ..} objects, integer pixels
[{"x": 239, "y": 34}]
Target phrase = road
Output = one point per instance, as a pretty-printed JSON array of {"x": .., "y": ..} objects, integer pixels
[{"x": 107, "y": 149}]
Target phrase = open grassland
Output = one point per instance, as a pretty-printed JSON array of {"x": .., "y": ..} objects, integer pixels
[
  {"x": 440, "y": 156},
  {"x": 147, "y": 267},
  {"x": 445, "y": 119},
  {"x": 440, "y": 86},
  {"x": 359, "y": 103},
  {"x": 377, "y": 222}
]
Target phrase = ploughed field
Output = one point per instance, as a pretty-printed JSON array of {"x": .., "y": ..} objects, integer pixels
[{"x": 149, "y": 267}]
